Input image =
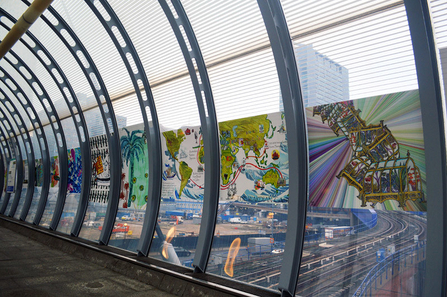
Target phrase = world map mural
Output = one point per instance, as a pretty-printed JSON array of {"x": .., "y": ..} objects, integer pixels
[{"x": 254, "y": 161}]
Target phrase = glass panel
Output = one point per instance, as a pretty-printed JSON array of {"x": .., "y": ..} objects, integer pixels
[
  {"x": 16, "y": 145},
  {"x": 25, "y": 186},
  {"x": 54, "y": 189},
  {"x": 30, "y": 95},
  {"x": 22, "y": 193},
  {"x": 99, "y": 192},
  {"x": 72, "y": 199},
  {"x": 252, "y": 217},
  {"x": 134, "y": 188},
  {"x": 162, "y": 60},
  {"x": 7, "y": 165},
  {"x": 98, "y": 45},
  {"x": 3, "y": 190},
  {"x": 38, "y": 175},
  {"x": 11, "y": 183},
  {"x": 182, "y": 196},
  {"x": 378, "y": 248},
  {"x": 365, "y": 226},
  {"x": 391, "y": 219},
  {"x": 99, "y": 187}
]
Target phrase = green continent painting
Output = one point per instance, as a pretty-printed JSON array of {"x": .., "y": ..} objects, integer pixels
[
  {"x": 173, "y": 141},
  {"x": 254, "y": 161},
  {"x": 248, "y": 134},
  {"x": 271, "y": 177},
  {"x": 185, "y": 174}
]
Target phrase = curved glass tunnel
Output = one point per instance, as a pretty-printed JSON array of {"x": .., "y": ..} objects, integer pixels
[{"x": 287, "y": 146}]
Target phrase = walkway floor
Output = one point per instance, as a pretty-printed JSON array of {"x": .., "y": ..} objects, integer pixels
[{"x": 28, "y": 268}]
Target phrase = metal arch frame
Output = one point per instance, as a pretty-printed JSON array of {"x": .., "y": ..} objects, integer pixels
[
  {"x": 2, "y": 169},
  {"x": 18, "y": 156},
  {"x": 79, "y": 124},
  {"x": 41, "y": 138},
  {"x": 210, "y": 128},
  {"x": 6, "y": 147},
  {"x": 433, "y": 119},
  {"x": 152, "y": 129},
  {"x": 30, "y": 154},
  {"x": 7, "y": 153},
  {"x": 111, "y": 132},
  {"x": 45, "y": 157},
  {"x": 294, "y": 112},
  {"x": 13, "y": 143}
]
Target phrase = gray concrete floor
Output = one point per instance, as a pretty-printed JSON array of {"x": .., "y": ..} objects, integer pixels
[{"x": 28, "y": 268}]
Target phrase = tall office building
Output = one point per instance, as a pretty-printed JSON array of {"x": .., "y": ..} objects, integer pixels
[{"x": 322, "y": 79}]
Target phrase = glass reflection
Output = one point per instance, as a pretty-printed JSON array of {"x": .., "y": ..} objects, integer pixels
[
  {"x": 232, "y": 254},
  {"x": 363, "y": 252},
  {"x": 366, "y": 156}
]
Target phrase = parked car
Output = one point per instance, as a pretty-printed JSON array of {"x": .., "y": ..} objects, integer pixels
[{"x": 235, "y": 220}]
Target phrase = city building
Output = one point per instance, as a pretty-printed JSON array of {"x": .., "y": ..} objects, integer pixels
[{"x": 322, "y": 80}]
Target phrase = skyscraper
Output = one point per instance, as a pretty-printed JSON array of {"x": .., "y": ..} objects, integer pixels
[{"x": 322, "y": 79}]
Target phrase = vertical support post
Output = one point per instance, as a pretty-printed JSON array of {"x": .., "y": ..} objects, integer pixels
[
  {"x": 433, "y": 119},
  {"x": 294, "y": 112},
  {"x": 210, "y": 129}
]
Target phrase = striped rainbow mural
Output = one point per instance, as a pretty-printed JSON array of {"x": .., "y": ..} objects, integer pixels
[{"x": 329, "y": 153}]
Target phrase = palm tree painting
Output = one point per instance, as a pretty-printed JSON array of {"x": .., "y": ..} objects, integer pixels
[{"x": 133, "y": 151}]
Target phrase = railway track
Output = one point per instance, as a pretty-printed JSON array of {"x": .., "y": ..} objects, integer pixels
[{"x": 337, "y": 270}]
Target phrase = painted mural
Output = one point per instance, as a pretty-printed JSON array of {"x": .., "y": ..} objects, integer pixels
[
  {"x": 254, "y": 161},
  {"x": 135, "y": 173},
  {"x": 39, "y": 173},
  {"x": 25, "y": 173},
  {"x": 11, "y": 179},
  {"x": 100, "y": 185},
  {"x": 368, "y": 153},
  {"x": 54, "y": 171},
  {"x": 74, "y": 170},
  {"x": 362, "y": 153}
]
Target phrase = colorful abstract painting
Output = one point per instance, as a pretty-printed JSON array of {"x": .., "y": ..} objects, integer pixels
[
  {"x": 74, "y": 170},
  {"x": 54, "y": 171},
  {"x": 100, "y": 185},
  {"x": 135, "y": 172},
  {"x": 368, "y": 153}
]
